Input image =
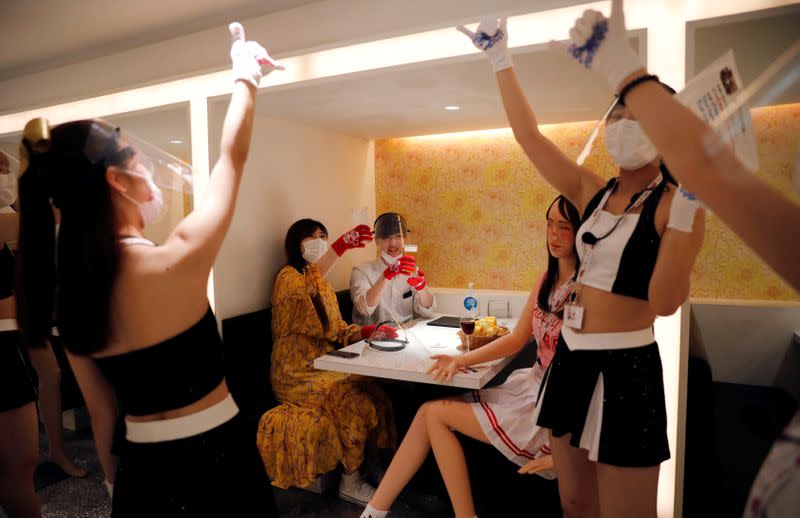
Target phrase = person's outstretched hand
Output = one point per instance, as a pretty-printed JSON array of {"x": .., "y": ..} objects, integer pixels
[
  {"x": 248, "y": 57},
  {"x": 491, "y": 37}
]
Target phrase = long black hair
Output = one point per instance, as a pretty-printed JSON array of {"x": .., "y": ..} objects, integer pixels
[
  {"x": 68, "y": 171},
  {"x": 571, "y": 214},
  {"x": 294, "y": 254}
]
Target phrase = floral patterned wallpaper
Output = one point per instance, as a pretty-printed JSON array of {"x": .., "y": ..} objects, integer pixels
[{"x": 476, "y": 207}]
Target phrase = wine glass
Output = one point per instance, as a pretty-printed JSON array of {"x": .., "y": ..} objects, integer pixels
[{"x": 467, "y": 327}]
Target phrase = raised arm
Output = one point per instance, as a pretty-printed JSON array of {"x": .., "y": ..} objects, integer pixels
[
  {"x": 357, "y": 237},
  {"x": 576, "y": 183},
  {"x": 758, "y": 213},
  {"x": 200, "y": 235}
]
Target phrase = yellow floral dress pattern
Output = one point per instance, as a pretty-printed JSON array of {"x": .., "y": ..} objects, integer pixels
[{"x": 325, "y": 417}]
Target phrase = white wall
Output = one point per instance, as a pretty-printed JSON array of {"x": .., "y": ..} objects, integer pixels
[
  {"x": 751, "y": 342},
  {"x": 293, "y": 172}
]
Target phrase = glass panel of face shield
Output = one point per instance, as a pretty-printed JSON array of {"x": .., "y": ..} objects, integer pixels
[
  {"x": 746, "y": 118},
  {"x": 168, "y": 178},
  {"x": 388, "y": 336},
  {"x": 392, "y": 231}
]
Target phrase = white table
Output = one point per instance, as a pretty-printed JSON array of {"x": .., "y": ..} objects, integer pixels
[{"x": 411, "y": 363}]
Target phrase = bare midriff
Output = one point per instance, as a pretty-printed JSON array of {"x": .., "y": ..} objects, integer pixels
[
  {"x": 8, "y": 308},
  {"x": 209, "y": 400},
  {"x": 605, "y": 312}
]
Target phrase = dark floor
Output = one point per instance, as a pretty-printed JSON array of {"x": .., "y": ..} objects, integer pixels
[{"x": 64, "y": 497}]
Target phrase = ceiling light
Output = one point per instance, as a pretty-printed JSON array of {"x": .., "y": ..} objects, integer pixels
[
  {"x": 176, "y": 141},
  {"x": 452, "y": 107}
]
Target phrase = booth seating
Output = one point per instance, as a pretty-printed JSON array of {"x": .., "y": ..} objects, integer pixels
[{"x": 496, "y": 485}]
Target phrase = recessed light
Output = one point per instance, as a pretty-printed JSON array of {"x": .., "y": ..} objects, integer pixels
[
  {"x": 452, "y": 107},
  {"x": 176, "y": 141}
]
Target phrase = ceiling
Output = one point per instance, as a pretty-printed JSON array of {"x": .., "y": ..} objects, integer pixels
[
  {"x": 411, "y": 100},
  {"x": 46, "y": 33}
]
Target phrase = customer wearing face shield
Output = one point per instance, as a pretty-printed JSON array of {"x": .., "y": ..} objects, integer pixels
[
  {"x": 134, "y": 317},
  {"x": 603, "y": 400},
  {"x": 392, "y": 285},
  {"x": 326, "y": 418},
  {"x": 757, "y": 212}
]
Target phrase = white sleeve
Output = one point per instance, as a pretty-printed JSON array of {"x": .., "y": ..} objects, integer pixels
[
  {"x": 359, "y": 285},
  {"x": 423, "y": 311}
]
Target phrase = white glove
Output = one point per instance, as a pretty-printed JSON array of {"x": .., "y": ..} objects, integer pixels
[
  {"x": 492, "y": 38},
  {"x": 109, "y": 488},
  {"x": 682, "y": 210},
  {"x": 602, "y": 44},
  {"x": 248, "y": 56}
]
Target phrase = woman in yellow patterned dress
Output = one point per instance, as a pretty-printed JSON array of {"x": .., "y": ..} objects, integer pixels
[{"x": 325, "y": 418}]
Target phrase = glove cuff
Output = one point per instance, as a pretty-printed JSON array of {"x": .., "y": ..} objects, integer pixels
[
  {"x": 339, "y": 247},
  {"x": 501, "y": 60},
  {"x": 250, "y": 74},
  {"x": 682, "y": 211}
]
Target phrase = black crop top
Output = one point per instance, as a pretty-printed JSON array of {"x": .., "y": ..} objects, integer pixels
[
  {"x": 6, "y": 272},
  {"x": 172, "y": 374},
  {"x": 623, "y": 262}
]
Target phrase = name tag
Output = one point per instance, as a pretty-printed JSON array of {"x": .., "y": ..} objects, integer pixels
[
  {"x": 573, "y": 315},
  {"x": 407, "y": 294}
]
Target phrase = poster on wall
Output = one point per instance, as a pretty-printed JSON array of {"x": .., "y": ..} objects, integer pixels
[{"x": 710, "y": 93}]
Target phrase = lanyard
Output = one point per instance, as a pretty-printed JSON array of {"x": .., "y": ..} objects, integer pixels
[
  {"x": 556, "y": 300},
  {"x": 587, "y": 248}
]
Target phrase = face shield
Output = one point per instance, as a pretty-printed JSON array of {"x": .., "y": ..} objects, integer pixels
[
  {"x": 389, "y": 335},
  {"x": 391, "y": 224},
  {"x": 587, "y": 147},
  {"x": 168, "y": 177},
  {"x": 771, "y": 100},
  {"x": 168, "y": 195}
]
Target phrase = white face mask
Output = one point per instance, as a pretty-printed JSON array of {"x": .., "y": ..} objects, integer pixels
[
  {"x": 153, "y": 209},
  {"x": 628, "y": 145},
  {"x": 8, "y": 189},
  {"x": 314, "y": 249},
  {"x": 388, "y": 259}
]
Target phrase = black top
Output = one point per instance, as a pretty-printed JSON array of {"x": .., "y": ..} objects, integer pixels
[
  {"x": 6, "y": 272},
  {"x": 636, "y": 260},
  {"x": 172, "y": 374}
]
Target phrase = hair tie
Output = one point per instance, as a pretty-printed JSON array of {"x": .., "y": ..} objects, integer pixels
[
  {"x": 35, "y": 141},
  {"x": 633, "y": 84}
]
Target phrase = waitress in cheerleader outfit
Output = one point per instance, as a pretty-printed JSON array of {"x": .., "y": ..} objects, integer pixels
[{"x": 603, "y": 396}]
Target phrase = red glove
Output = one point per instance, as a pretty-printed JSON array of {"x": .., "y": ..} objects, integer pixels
[
  {"x": 356, "y": 238},
  {"x": 405, "y": 265},
  {"x": 384, "y": 332},
  {"x": 418, "y": 281}
]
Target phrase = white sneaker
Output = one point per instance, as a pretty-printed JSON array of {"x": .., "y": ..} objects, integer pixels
[{"x": 354, "y": 489}]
